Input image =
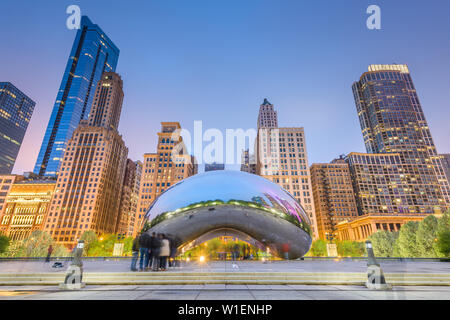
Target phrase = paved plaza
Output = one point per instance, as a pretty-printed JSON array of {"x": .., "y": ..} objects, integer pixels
[
  {"x": 224, "y": 292},
  {"x": 229, "y": 291},
  {"x": 123, "y": 265}
]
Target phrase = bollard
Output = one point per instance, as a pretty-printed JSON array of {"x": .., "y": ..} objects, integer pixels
[
  {"x": 74, "y": 274},
  {"x": 375, "y": 276}
]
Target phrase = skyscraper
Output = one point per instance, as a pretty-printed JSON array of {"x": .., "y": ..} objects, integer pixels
[
  {"x": 267, "y": 116},
  {"x": 163, "y": 169},
  {"x": 281, "y": 157},
  {"x": 15, "y": 114},
  {"x": 392, "y": 122},
  {"x": 92, "y": 54},
  {"x": 89, "y": 186}
]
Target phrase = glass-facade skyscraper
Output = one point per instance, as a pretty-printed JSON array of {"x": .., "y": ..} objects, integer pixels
[
  {"x": 15, "y": 114},
  {"x": 392, "y": 122},
  {"x": 93, "y": 53}
]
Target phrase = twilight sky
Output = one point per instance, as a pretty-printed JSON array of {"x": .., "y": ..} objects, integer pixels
[{"x": 216, "y": 60}]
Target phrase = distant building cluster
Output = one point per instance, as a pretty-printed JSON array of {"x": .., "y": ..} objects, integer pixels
[{"x": 83, "y": 179}]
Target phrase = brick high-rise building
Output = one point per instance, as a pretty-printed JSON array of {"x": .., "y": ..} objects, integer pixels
[
  {"x": 134, "y": 201},
  {"x": 125, "y": 199},
  {"x": 163, "y": 169},
  {"x": 393, "y": 124},
  {"x": 333, "y": 194},
  {"x": 129, "y": 199},
  {"x": 89, "y": 185}
]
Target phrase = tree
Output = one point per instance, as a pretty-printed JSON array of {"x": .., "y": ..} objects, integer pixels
[
  {"x": 383, "y": 243},
  {"x": 426, "y": 237},
  {"x": 319, "y": 248},
  {"x": 89, "y": 238},
  {"x": 406, "y": 244},
  {"x": 349, "y": 248},
  {"x": 444, "y": 223},
  {"x": 4, "y": 243},
  {"x": 36, "y": 245},
  {"x": 443, "y": 243}
]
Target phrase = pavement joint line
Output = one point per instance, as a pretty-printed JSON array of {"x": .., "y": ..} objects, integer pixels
[{"x": 362, "y": 289}]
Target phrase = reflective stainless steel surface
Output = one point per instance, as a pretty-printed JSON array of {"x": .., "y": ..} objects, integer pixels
[{"x": 235, "y": 201}]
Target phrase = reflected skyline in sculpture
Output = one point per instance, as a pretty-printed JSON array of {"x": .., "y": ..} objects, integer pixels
[{"x": 233, "y": 200}]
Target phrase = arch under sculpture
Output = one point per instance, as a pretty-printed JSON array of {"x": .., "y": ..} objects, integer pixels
[{"x": 236, "y": 203}]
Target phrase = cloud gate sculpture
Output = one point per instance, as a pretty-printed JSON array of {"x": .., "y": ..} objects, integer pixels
[{"x": 234, "y": 203}]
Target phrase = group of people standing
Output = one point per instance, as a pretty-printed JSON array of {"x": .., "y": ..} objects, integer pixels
[{"x": 155, "y": 252}]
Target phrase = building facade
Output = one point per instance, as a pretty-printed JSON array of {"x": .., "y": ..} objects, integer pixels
[
  {"x": 134, "y": 201},
  {"x": 282, "y": 158},
  {"x": 248, "y": 162},
  {"x": 163, "y": 169},
  {"x": 361, "y": 228},
  {"x": 445, "y": 158},
  {"x": 92, "y": 54},
  {"x": 393, "y": 123},
  {"x": 26, "y": 206},
  {"x": 6, "y": 183},
  {"x": 16, "y": 110},
  {"x": 89, "y": 185},
  {"x": 334, "y": 199}
]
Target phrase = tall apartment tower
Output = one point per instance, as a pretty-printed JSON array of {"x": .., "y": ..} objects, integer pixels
[
  {"x": 89, "y": 185},
  {"x": 15, "y": 114},
  {"x": 333, "y": 194},
  {"x": 92, "y": 54},
  {"x": 163, "y": 169},
  {"x": 392, "y": 122},
  {"x": 267, "y": 117},
  {"x": 445, "y": 157}
]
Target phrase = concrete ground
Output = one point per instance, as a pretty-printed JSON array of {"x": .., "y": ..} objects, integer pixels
[
  {"x": 224, "y": 292},
  {"x": 243, "y": 266}
]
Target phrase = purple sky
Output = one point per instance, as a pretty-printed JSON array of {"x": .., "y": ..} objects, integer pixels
[{"x": 216, "y": 61}]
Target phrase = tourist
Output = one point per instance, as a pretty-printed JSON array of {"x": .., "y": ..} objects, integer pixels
[
  {"x": 236, "y": 251},
  {"x": 152, "y": 240},
  {"x": 144, "y": 251},
  {"x": 173, "y": 250},
  {"x": 155, "y": 247},
  {"x": 165, "y": 252},
  {"x": 135, "y": 253},
  {"x": 49, "y": 253}
]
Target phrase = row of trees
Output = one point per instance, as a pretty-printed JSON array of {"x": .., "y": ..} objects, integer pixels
[
  {"x": 429, "y": 238},
  {"x": 344, "y": 248},
  {"x": 36, "y": 245}
]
